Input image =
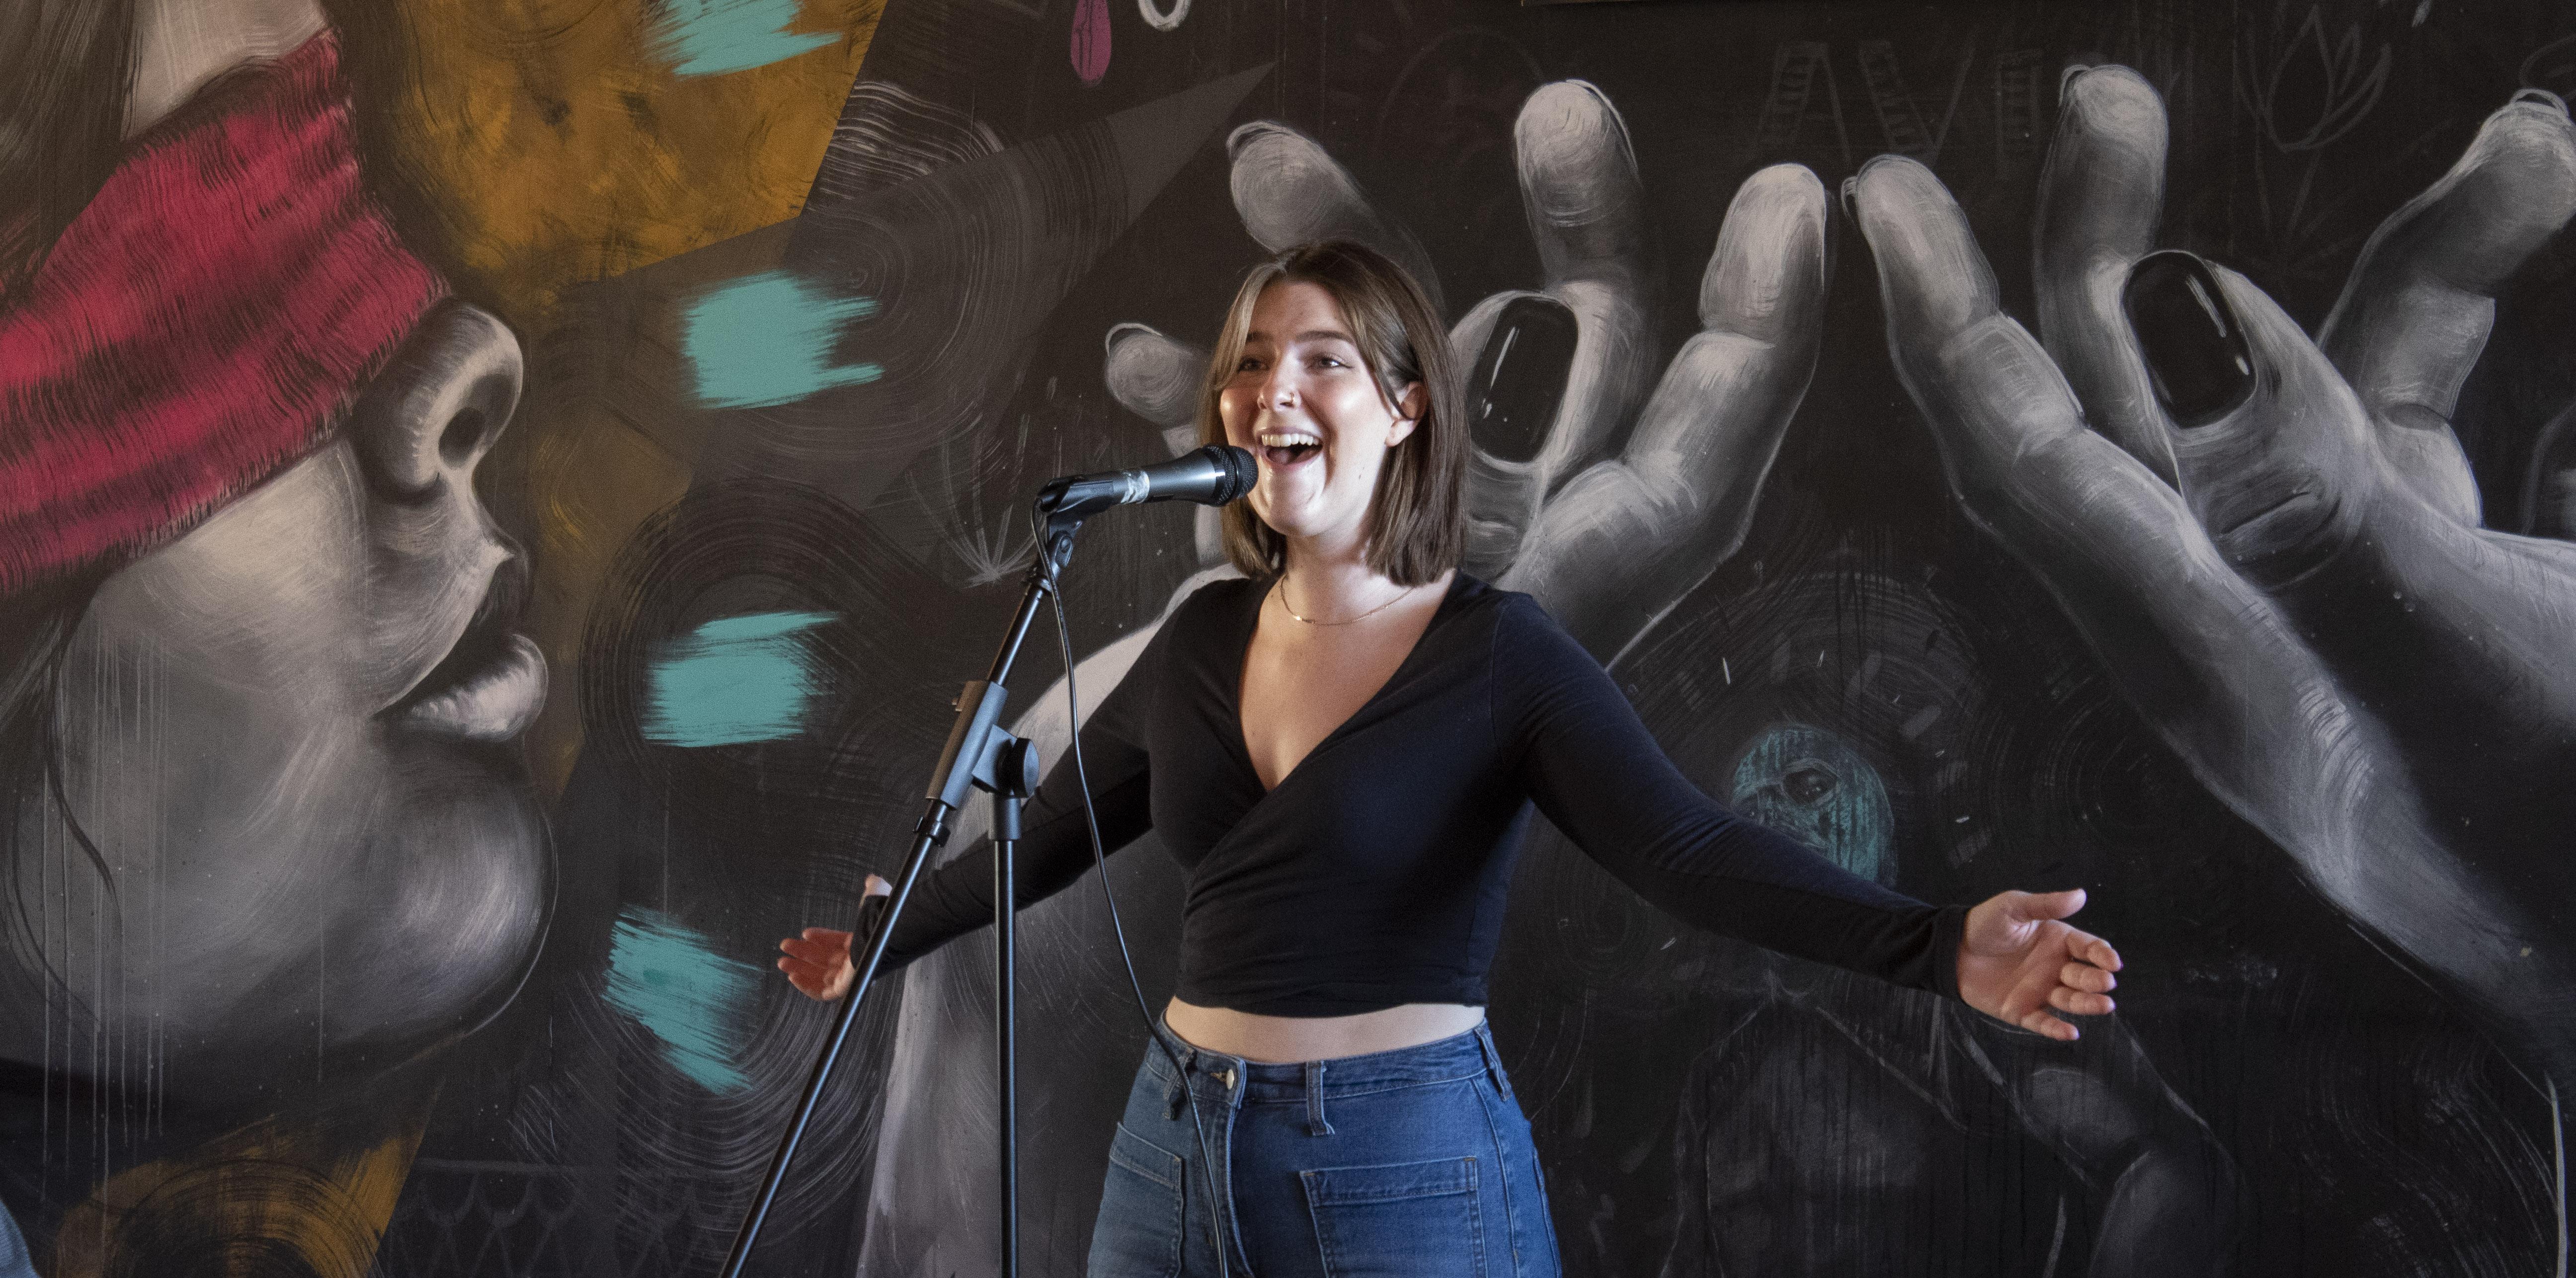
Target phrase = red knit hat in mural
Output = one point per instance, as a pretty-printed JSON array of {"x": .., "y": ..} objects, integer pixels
[{"x": 206, "y": 320}]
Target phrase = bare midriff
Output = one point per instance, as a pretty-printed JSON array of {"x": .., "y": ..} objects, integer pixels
[{"x": 1287, "y": 1040}]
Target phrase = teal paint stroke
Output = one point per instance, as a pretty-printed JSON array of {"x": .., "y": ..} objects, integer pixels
[
  {"x": 712, "y": 37},
  {"x": 767, "y": 339},
  {"x": 671, "y": 980},
  {"x": 734, "y": 680}
]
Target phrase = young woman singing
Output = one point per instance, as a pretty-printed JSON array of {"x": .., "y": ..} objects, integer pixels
[{"x": 1344, "y": 750}]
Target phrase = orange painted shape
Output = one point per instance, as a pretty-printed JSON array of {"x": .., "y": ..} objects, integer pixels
[{"x": 238, "y": 1204}]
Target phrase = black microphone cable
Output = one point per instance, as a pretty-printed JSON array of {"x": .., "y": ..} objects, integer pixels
[{"x": 1100, "y": 861}]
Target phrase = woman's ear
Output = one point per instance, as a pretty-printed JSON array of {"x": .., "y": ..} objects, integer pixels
[{"x": 1409, "y": 408}]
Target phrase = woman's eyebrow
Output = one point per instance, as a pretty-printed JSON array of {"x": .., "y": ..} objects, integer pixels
[{"x": 1310, "y": 335}]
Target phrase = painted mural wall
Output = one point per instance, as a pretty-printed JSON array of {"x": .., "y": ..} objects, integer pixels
[{"x": 495, "y": 500}]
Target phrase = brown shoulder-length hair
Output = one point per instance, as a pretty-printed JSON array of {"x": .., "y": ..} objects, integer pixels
[{"x": 1418, "y": 516}]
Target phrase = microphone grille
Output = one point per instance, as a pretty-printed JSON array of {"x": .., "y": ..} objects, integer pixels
[{"x": 1240, "y": 471}]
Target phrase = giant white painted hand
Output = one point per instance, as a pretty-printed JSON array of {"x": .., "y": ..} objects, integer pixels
[{"x": 2272, "y": 542}]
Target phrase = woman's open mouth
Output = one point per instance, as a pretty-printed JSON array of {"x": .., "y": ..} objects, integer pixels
[
  {"x": 490, "y": 685},
  {"x": 1286, "y": 448}
]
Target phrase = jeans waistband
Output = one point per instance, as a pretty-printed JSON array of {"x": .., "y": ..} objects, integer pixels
[{"x": 1445, "y": 1060}]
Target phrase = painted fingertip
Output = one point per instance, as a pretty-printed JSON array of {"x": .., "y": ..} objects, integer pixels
[
  {"x": 1850, "y": 198},
  {"x": 1889, "y": 180},
  {"x": 2066, "y": 78},
  {"x": 1584, "y": 87},
  {"x": 1117, "y": 335},
  {"x": 1245, "y": 135},
  {"x": 1575, "y": 158},
  {"x": 2197, "y": 356},
  {"x": 2542, "y": 97}
]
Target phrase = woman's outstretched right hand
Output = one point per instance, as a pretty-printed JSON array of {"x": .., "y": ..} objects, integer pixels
[{"x": 818, "y": 961}]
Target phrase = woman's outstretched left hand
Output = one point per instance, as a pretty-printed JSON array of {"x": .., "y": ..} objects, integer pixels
[{"x": 2018, "y": 960}]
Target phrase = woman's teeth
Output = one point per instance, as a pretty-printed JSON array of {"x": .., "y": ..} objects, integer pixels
[{"x": 1287, "y": 447}]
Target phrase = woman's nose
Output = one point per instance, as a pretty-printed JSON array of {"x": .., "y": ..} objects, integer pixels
[
  {"x": 431, "y": 415},
  {"x": 1280, "y": 391}
]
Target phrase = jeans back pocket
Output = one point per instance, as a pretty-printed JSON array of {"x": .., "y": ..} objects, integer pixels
[
  {"x": 1408, "y": 1220},
  {"x": 1142, "y": 1201}
]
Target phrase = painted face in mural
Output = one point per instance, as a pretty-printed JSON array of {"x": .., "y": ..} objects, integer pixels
[
  {"x": 268, "y": 826},
  {"x": 1812, "y": 784},
  {"x": 1305, "y": 403},
  {"x": 278, "y": 735}
]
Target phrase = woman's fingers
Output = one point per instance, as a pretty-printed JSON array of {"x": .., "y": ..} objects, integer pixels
[
  {"x": 2075, "y": 1002},
  {"x": 2037, "y": 906},
  {"x": 2415, "y": 313},
  {"x": 2095, "y": 951},
  {"x": 2099, "y": 200},
  {"x": 2086, "y": 977},
  {"x": 818, "y": 945},
  {"x": 817, "y": 962}
]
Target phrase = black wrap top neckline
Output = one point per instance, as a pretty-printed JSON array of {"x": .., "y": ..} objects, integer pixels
[{"x": 1251, "y": 627}]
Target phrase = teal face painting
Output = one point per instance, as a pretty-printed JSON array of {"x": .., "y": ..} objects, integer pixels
[{"x": 1812, "y": 785}]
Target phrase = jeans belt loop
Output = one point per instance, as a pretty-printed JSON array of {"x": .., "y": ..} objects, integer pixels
[
  {"x": 1493, "y": 1061},
  {"x": 1315, "y": 1124}
]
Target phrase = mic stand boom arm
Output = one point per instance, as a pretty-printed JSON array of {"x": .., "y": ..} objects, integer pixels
[{"x": 980, "y": 755}]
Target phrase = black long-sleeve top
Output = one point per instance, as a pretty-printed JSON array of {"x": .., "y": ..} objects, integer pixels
[{"x": 1374, "y": 874}]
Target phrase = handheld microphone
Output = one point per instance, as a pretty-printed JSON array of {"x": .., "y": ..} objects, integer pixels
[{"x": 1212, "y": 476}]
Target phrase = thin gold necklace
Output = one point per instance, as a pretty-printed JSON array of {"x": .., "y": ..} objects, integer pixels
[{"x": 1282, "y": 589}]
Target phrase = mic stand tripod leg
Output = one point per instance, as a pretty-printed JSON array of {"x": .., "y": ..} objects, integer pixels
[{"x": 1014, "y": 780}]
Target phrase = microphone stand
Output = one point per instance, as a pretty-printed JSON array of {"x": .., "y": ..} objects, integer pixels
[{"x": 980, "y": 755}]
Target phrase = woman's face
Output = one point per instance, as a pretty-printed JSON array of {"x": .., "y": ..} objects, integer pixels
[
  {"x": 285, "y": 735},
  {"x": 1302, "y": 401}
]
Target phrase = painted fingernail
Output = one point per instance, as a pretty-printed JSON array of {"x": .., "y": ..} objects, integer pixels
[
  {"x": 1519, "y": 378},
  {"x": 2066, "y": 78},
  {"x": 2543, "y": 97},
  {"x": 2195, "y": 350}
]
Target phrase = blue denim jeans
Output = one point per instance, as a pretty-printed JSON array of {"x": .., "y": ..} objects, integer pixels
[{"x": 1414, "y": 1163}]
